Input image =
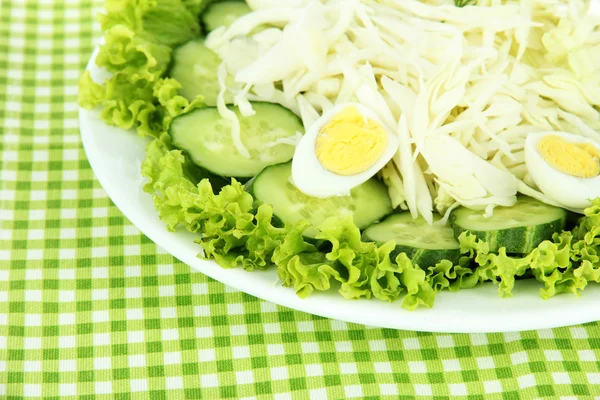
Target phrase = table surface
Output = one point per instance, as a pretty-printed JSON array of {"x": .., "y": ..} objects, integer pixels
[{"x": 91, "y": 308}]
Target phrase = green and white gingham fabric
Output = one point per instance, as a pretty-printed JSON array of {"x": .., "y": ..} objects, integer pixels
[{"x": 92, "y": 309}]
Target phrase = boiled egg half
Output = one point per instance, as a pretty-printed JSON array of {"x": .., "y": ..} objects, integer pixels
[
  {"x": 565, "y": 167},
  {"x": 345, "y": 147}
]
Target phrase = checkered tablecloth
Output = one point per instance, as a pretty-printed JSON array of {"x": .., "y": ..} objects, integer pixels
[{"x": 92, "y": 309}]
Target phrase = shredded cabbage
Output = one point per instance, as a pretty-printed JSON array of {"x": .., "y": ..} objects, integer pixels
[
  {"x": 464, "y": 84},
  {"x": 229, "y": 115}
]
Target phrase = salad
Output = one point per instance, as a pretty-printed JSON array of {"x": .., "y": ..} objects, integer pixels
[{"x": 384, "y": 148}]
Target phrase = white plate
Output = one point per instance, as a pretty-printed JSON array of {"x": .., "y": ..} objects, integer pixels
[{"x": 115, "y": 156}]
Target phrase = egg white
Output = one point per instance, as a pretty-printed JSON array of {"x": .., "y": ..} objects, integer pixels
[
  {"x": 311, "y": 178},
  {"x": 570, "y": 191}
]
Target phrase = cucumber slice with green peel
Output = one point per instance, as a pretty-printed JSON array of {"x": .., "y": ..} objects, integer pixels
[
  {"x": 269, "y": 136},
  {"x": 368, "y": 202},
  {"x": 223, "y": 13},
  {"x": 520, "y": 228},
  {"x": 195, "y": 66},
  {"x": 426, "y": 245}
]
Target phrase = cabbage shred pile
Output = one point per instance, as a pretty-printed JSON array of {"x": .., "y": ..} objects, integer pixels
[
  {"x": 539, "y": 63},
  {"x": 461, "y": 86}
]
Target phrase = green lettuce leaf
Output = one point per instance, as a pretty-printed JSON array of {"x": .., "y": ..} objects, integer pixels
[
  {"x": 355, "y": 260},
  {"x": 166, "y": 22},
  {"x": 302, "y": 267},
  {"x": 139, "y": 36},
  {"x": 164, "y": 169},
  {"x": 126, "y": 52},
  {"x": 196, "y": 6},
  {"x": 565, "y": 264},
  {"x": 232, "y": 231},
  {"x": 573, "y": 260},
  {"x": 445, "y": 275},
  {"x": 588, "y": 229},
  {"x": 125, "y": 103},
  {"x": 414, "y": 279},
  {"x": 128, "y": 101},
  {"x": 236, "y": 234},
  {"x": 499, "y": 268},
  {"x": 384, "y": 281},
  {"x": 362, "y": 269},
  {"x": 91, "y": 93},
  {"x": 165, "y": 91}
]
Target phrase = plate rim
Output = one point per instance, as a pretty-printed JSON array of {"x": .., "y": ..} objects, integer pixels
[{"x": 319, "y": 304}]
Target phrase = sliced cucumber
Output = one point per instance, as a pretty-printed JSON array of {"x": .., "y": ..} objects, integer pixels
[
  {"x": 206, "y": 138},
  {"x": 223, "y": 14},
  {"x": 519, "y": 228},
  {"x": 368, "y": 202},
  {"x": 195, "y": 66},
  {"x": 424, "y": 244}
]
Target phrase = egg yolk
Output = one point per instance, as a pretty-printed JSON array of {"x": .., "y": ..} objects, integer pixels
[
  {"x": 350, "y": 143},
  {"x": 575, "y": 159}
]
